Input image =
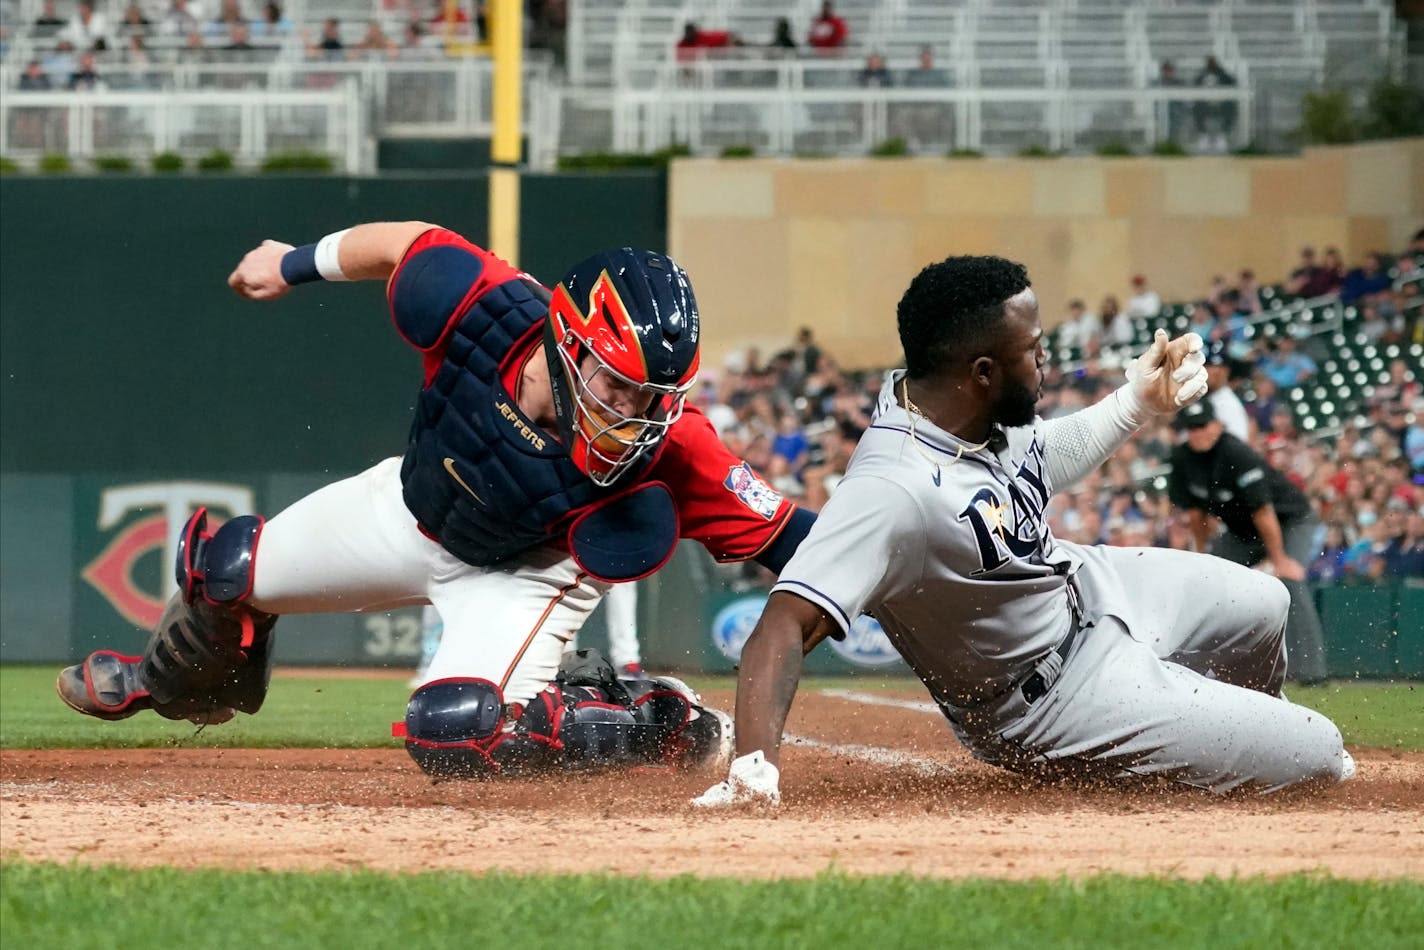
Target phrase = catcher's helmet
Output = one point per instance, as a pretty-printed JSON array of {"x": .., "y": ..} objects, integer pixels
[{"x": 634, "y": 313}]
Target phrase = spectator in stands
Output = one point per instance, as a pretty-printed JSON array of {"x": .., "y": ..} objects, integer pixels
[
  {"x": 782, "y": 42},
  {"x": 809, "y": 351},
  {"x": 922, "y": 123},
  {"x": 1117, "y": 324},
  {"x": 1404, "y": 556},
  {"x": 1414, "y": 443},
  {"x": 1400, "y": 390},
  {"x": 1144, "y": 302},
  {"x": 1328, "y": 277},
  {"x": 1248, "y": 293},
  {"x": 1366, "y": 557},
  {"x": 1081, "y": 328},
  {"x": 828, "y": 32},
  {"x": 87, "y": 30},
  {"x": 926, "y": 75},
  {"x": 273, "y": 22},
  {"x": 1174, "y": 111},
  {"x": 1329, "y": 564},
  {"x": 874, "y": 74},
  {"x": 548, "y": 24},
  {"x": 1227, "y": 409},
  {"x": 695, "y": 39},
  {"x": 1305, "y": 271},
  {"x": 375, "y": 43},
  {"x": 416, "y": 44},
  {"x": 1286, "y": 365},
  {"x": 1227, "y": 323},
  {"x": 1261, "y": 409},
  {"x": 34, "y": 79},
  {"x": 85, "y": 77},
  {"x": 229, "y": 13},
  {"x": 329, "y": 47},
  {"x": 1268, "y": 521},
  {"x": 134, "y": 20},
  {"x": 826, "y": 463},
  {"x": 49, "y": 21},
  {"x": 195, "y": 48},
  {"x": 238, "y": 39},
  {"x": 1365, "y": 281},
  {"x": 1375, "y": 328},
  {"x": 449, "y": 16},
  {"x": 60, "y": 62},
  {"x": 790, "y": 443},
  {"x": 1215, "y": 121},
  {"x": 137, "y": 58},
  {"x": 179, "y": 20},
  {"x": 1415, "y": 251}
]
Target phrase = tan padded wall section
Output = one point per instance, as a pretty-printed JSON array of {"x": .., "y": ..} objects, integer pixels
[{"x": 773, "y": 245}]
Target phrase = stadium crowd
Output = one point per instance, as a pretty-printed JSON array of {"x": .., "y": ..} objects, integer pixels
[
  {"x": 796, "y": 415},
  {"x": 79, "y": 47}
]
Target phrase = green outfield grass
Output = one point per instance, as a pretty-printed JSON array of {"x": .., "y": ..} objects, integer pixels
[
  {"x": 76, "y": 907},
  {"x": 339, "y": 712}
]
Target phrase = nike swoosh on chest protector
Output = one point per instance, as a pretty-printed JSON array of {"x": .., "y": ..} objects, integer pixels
[{"x": 450, "y": 467}]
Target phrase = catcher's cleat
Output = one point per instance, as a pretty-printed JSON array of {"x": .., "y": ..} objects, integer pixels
[
  {"x": 105, "y": 686},
  {"x": 109, "y": 686}
]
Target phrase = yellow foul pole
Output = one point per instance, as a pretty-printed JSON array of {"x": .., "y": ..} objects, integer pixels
[{"x": 506, "y": 19}]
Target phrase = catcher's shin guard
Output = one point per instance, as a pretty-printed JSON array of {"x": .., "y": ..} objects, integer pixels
[
  {"x": 210, "y": 654},
  {"x": 461, "y": 728}
]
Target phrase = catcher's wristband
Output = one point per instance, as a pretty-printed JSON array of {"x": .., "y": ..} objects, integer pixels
[{"x": 319, "y": 261}]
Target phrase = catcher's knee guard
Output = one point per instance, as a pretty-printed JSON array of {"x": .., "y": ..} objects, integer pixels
[
  {"x": 461, "y": 728},
  {"x": 210, "y": 655}
]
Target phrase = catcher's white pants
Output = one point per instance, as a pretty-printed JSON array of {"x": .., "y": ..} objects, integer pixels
[
  {"x": 622, "y": 607},
  {"x": 353, "y": 546}
]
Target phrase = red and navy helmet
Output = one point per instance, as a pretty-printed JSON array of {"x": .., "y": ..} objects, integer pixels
[{"x": 633, "y": 312}]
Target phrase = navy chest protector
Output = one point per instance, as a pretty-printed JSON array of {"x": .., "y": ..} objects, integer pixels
[{"x": 487, "y": 483}]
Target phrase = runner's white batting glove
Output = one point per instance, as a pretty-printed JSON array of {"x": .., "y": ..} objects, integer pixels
[
  {"x": 750, "y": 779},
  {"x": 1170, "y": 375}
]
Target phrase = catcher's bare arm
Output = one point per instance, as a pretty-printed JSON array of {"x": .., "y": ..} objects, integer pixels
[{"x": 364, "y": 252}]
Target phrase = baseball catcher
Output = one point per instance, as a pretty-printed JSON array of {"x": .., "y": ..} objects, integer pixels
[{"x": 551, "y": 455}]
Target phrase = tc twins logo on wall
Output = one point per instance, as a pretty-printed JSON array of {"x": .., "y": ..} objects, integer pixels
[{"x": 140, "y": 600}]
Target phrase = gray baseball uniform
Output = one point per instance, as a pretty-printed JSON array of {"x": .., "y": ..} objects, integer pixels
[{"x": 1051, "y": 656}]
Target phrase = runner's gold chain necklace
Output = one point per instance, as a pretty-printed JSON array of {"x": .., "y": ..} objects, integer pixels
[{"x": 914, "y": 410}]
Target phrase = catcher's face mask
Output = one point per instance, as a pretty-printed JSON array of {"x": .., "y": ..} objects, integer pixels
[{"x": 621, "y": 340}]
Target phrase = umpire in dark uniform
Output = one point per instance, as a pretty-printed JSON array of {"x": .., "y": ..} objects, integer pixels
[{"x": 1266, "y": 519}]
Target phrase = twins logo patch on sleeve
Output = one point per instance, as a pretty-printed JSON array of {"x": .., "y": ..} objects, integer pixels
[{"x": 752, "y": 491}]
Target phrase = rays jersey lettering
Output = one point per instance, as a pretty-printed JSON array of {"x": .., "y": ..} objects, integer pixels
[{"x": 1008, "y": 519}]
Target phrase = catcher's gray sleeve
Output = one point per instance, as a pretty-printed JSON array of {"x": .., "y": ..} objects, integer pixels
[{"x": 1077, "y": 443}]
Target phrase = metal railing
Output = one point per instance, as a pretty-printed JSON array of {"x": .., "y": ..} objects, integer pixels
[
  {"x": 395, "y": 98},
  {"x": 854, "y": 121},
  {"x": 248, "y": 125}
]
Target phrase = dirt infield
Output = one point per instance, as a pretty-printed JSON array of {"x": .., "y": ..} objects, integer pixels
[{"x": 868, "y": 789}]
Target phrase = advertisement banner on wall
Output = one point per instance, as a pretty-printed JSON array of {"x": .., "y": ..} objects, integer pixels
[
  {"x": 864, "y": 649},
  {"x": 126, "y": 546},
  {"x": 125, "y": 538}
]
